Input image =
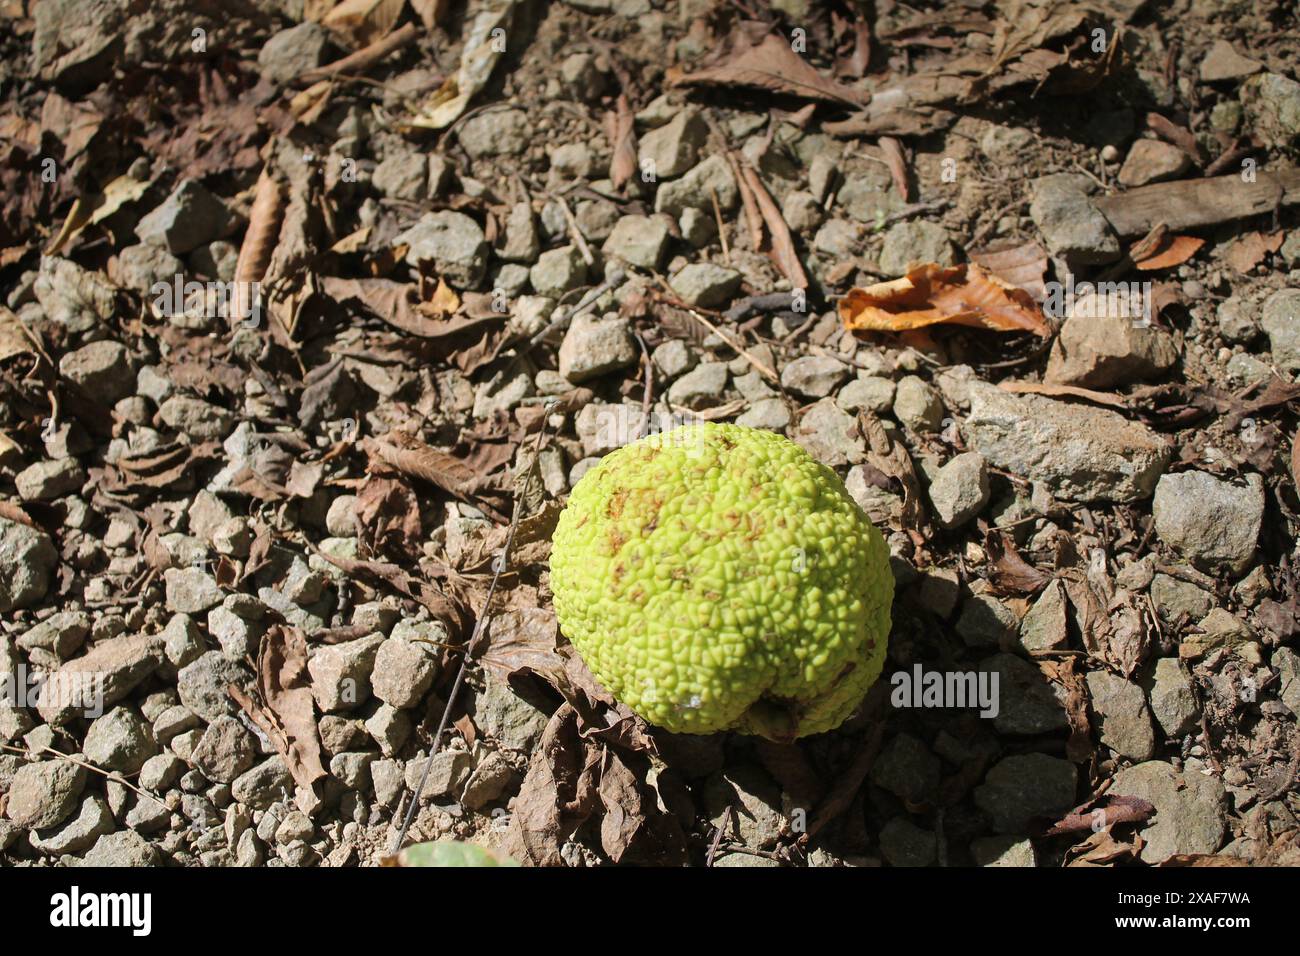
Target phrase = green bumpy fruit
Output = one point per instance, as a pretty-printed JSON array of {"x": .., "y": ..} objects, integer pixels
[{"x": 718, "y": 577}]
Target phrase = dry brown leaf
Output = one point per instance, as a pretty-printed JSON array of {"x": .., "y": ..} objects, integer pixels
[
  {"x": 362, "y": 22},
  {"x": 559, "y": 792},
  {"x": 1023, "y": 264},
  {"x": 769, "y": 64},
  {"x": 1249, "y": 251},
  {"x": 932, "y": 294},
  {"x": 1170, "y": 251},
  {"x": 430, "y": 12},
  {"x": 896, "y": 159},
  {"x": 522, "y": 640},
  {"x": 782, "y": 252},
  {"x": 1057, "y": 391},
  {"x": 285, "y": 686},
  {"x": 1295, "y": 459},
  {"x": 1115, "y": 809},
  {"x": 620, "y": 127}
]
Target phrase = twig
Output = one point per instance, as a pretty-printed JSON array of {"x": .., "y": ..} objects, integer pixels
[
  {"x": 722, "y": 229},
  {"x": 88, "y": 766},
  {"x": 362, "y": 59},
  {"x": 484, "y": 618},
  {"x": 575, "y": 233}
]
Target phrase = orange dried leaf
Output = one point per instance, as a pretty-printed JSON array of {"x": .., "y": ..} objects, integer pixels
[
  {"x": 1172, "y": 251},
  {"x": 932, "y": 294}
]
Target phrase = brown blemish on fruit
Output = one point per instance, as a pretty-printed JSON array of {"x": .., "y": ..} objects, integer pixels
[{"x": 614, "y": 508}]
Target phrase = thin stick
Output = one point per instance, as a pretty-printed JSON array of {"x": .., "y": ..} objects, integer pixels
[
  {"x": 722, "y": 229},
  {"x": 483, "y": 618},
  {"x": 362, "y": 59},
  {"x": 575, "y": 233}
]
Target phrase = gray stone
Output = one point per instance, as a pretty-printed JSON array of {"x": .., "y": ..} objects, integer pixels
[
  {"x": 907, "y": 769},
  {"x": 92, "y": 821},
  {"x": 191, "y": 590},
  {"x": 196, "y": 418},
  {"x": 404, "y": 669},
  {"x": 1072, "y": 227},
  {"x": 830, "y": 435},
  {"x": 1002, "y": 851},
  {"x": 745, "y": 801},
  {"x": 674, "y": 358},
  {"x": 47, "y": 480},
  {"x": 352, "y": 769},
  {"x": 121, "y": 740},
  {"x": 1172, "y": 700},
  {"x": 813, "y": 376},
  {"x": 1121, "y": 708},
  {"x": 1104, "y": 343},
  {"x": 61, "y": 634},
  {"x": 44, "y": 794},
  {"x": 1021, "y": 789},
  {"x": 703, "y": 385},
  {"x": 101, "y": 369},
  {"x": 1287, "y": 663},
  {"x": 453, "y": 242},
  {"x": 182, "y": 641},
  {"x": 202, "y": 684},
  {"x": 706, "y": 284},
  {"x": 696, "y": 189},
  {"x": 340, "y": 673},
  {"x": 389, "y": 728},
  {"x": 1079, "y": 452},
  {"x": 225, "y": 751},
  {"x": 557, "y": 271},
  {"x": 593, "y": 347},
  {"x": 1174, "y": 597},
  {"x": 913, "y": 243},
  {"x": 190, "y": 217},
  {"x": 1213, "y": 522},
  {"x": 1189, "y": 809},
  {"x": 917, "y": 404},
  {"x": 292, "y": 52},
  {"x": 160, "y": 771},
  {"x": 496, "y": 133},
  {"x": 27, "y": 559},
  {"x": 903, "y": 843},
  {"x": 986, "y": 622},
  {"x": 123, "y": 848},
  {"x": 769, "y": 413},
  {"x": 507, "y": 718},
  {"x": 239, "y": 638},
  {"x": 1280, "y": 319},
  {"x": 869, "y": 392},
  {"x": 522, "y": 243},
  {"x": 639, "y": 240},
  {"x": 1044, "y": 627},
  {"x": 1028, "y": 703},
  {"x": 1237, "y": 320},
  {"x": 109, "y": 671},
  {"x": 671, "y": 149},
  {"x": 1152, "y": 161},
  {"x": 960, "y": 489},
  {"x": 488, "y": 781},
  {"x": 1272, "y": 104},
  {"x": 263, "y": 785}
]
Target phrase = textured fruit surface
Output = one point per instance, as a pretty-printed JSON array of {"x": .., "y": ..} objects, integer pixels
[{"x": 718, "y": 577}]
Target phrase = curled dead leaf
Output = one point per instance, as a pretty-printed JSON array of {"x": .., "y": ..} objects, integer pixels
[{"x": 932, "y": 294}]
